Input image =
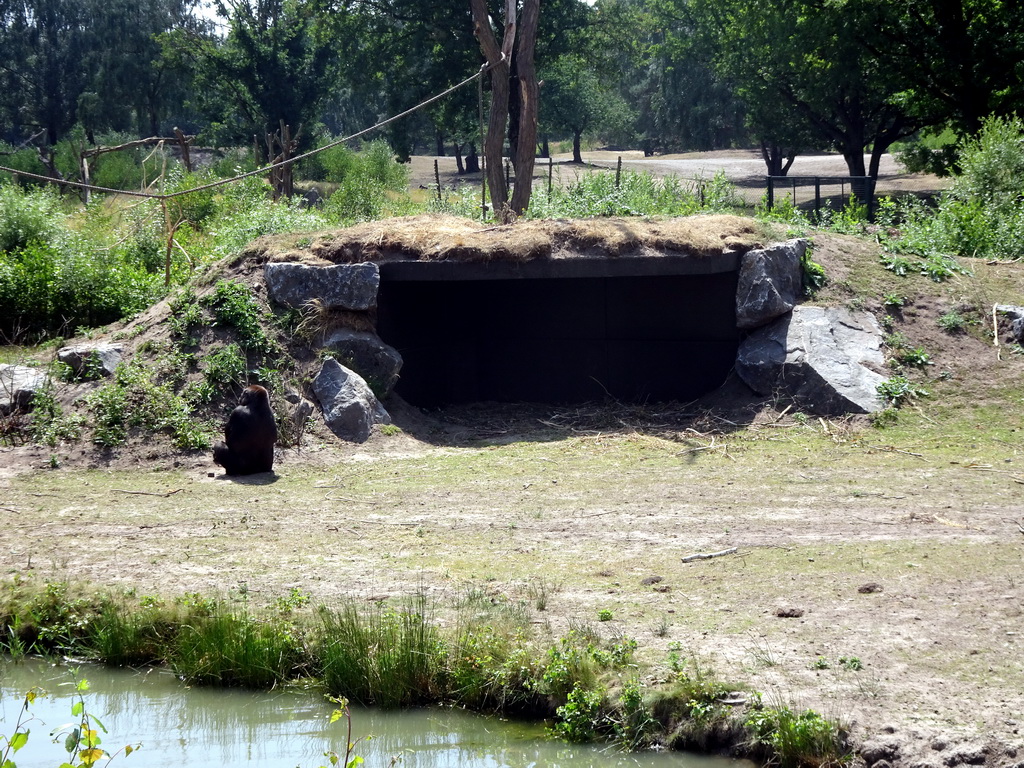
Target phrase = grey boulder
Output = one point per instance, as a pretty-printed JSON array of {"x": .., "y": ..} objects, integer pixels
[
  {"x": 18, "y": 385},
  {"x": 825, "y": 359},
  {"x": 340, "y": 286},
  {"x": 92, "y": 361},
  {"x": 349, "y": 406},
  {"x": 1016, "y": 316},
  {"x": 770, "y": 283},
  {"x": 370, "y": 357}
]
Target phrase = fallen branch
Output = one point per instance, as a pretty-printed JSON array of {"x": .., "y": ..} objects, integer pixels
[
  {"x": 709, "y": 555},
  {"x": 148, "y": 493}
]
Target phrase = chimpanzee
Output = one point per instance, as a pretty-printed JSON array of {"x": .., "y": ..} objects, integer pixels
[{"x": 249, "y": 435}]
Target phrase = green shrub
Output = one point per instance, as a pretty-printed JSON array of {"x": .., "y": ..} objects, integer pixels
[
  {"x": 234, "y": 305},
  {"x": 33, "y": 216},
  {"x": 805, "y": 740},
  {"x": 897, "y": 390},
  {"x": 132, "y": 401},
  {"x": 982, "y": 213}
]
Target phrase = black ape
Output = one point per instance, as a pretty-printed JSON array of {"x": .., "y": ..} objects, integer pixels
[{"x": 250, "y": 435}]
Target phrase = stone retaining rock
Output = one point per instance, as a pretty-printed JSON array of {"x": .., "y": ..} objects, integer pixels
[
  {"x": 818, "y": 357},
  {"x": 770, "y": 283},
  {"x": 370, "y": 357},
  {"x": 341, "y": 286},
  {"x": 349, "y": 406}
]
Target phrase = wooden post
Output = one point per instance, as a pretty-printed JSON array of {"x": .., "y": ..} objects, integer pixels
[
  {"x": 437, "y": 179},
  {"x": 186, "y": 158},
  {"x": 618, "y": 172}
]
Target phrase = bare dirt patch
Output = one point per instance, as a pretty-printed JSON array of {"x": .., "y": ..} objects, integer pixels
[{"x": 900, "y": 548}]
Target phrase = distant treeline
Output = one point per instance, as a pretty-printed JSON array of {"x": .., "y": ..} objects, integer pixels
[{"x": 853, "y": 76}]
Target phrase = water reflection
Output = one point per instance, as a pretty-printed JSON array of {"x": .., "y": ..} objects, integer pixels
[{"x": 223, "y": 729}]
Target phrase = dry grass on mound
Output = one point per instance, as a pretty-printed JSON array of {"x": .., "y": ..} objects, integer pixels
[{"x": 441, "y": 238}]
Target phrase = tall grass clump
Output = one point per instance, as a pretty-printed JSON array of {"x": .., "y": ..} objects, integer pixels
[
  {"x": 792, "y": 739},
  {"x": 606, "y": 193},
  {"x": 235, "y": 649},
  {"x": 245, "y": 211},
  {"x": 391, "y": 658}
]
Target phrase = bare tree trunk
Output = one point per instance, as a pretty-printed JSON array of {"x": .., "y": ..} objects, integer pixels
[
  {"x": 525, "y": 150},
  {"x": 499, "y": 59},
  {"x": 458, "y": 157}
]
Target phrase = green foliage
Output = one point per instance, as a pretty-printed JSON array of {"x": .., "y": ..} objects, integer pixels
[
  {"x": 52, "y": 278},
  {"x": 378, "y": 656},
  {"x": 197, "y": 208},
  {"x": 894, "y": 300},
  {"x": 50, "y": 424},
  {"x": 80, "y": 738},
  {"x": 981, "y": 215},
  {"x": 634, "y": 725},
  {"x": 804, "y": 740},
  {"x": 33, "y": 216},
  {"x": 953, "y": 322},
  {"x": 578, "y": 718},
  {"x": 226, "y": 366},
  {"x": 186, "y": 315},
  {"x": 234, "y": 305},
  {"x": 812, "y": 273},
  {"x": 915, "y": 357},
  {"x": 132, "y": 401},
  {"x": 604, "y": 615},
  {"x": 235, "y": 649},
  {"x": 637, "y": 194},
  {"x": 898, "y": 390}
]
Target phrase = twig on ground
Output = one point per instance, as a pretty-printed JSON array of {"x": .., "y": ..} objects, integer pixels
[
  {"x": 892, "y": 449},
  {"x": 148, "y": 493},
  {"x": 709, "y": 555}
]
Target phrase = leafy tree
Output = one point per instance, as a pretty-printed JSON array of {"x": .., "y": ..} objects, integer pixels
[
  {"x": 959, "y": 60},
  {"x": 576, "y": 101},
  {"x": 89, "y": 61},
  {"x": 801, "y": 65},
  {"x": 275, "y": 65}
]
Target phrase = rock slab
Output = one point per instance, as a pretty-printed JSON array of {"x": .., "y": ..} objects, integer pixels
[
  {"x": 92, "y": 361},
  {"x": 822, "y": 358},
  {"x": 349, "y": 406},
  {"x": 18, "y": 385},
  {"x": 770, "y": 283},
  {"x": 340, "y": 286},
  {"x": 364, "y": 352}
]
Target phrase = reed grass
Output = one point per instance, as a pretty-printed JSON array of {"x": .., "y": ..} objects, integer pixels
[
  {"x": 390, "y": 658},
  {"x": 398, "y": 656}
]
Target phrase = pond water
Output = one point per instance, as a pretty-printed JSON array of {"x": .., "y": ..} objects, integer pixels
[{"x": 216, "y": 728}]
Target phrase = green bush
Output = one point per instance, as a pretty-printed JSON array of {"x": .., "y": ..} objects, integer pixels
[
  {"x": 982, "y": 213},
  {"x": 29, "y": 217}
]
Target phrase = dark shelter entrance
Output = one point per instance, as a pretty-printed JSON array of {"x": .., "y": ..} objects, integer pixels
[{"x": 560, "y": 331}]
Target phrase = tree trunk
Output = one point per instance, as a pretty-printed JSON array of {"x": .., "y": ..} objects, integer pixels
[
  {"x": 576, "y": 156},
  {"x": 498, "y": 58},
  {"x": 458, "y": 157},
  {"x": 524, "y": 151},
  {"x": 440, "y": 143},
  {"x": 472, "y": 160}
]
